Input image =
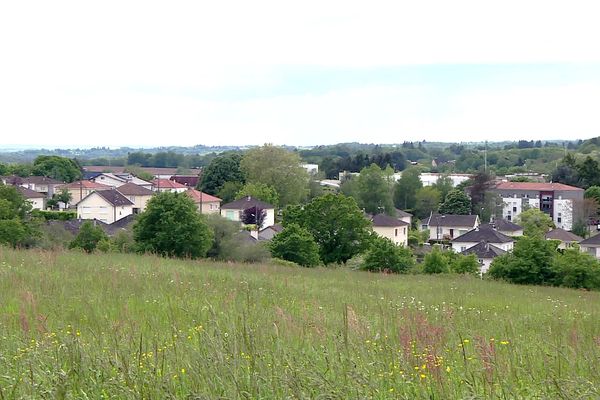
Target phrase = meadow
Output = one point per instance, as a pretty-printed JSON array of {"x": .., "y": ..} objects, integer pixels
[{"x": 141, "y": 327}]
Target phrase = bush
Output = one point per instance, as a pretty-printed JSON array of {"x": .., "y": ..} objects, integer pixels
[
  {"x": 530, "y": 263},
  {"x": 435, "y": 262},
  {"x": 88, "y": 237},
  {"x": 295, "y": 244},
  {"x": 384, "y": 255},
  {"x": 48, "y": 215},
  {"x": 465, "y": 264},
  {"x": 238, "y": 250},
  {"x": 123, "y": 242},
  {"x": 575, "y": 269}
]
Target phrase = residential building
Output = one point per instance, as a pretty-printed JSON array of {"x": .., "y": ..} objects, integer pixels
[
  {"x": 404, "y": 216},
  {"x": 485, "y": 253},
  {"x": 190, "y": 181},
  {"x": 233, "y": 211},
  {"x": 37, "y": 199},
  {"x": 431, "y": 178},
  {"x": 206, "y": 203},
  {"x": 269, "y": 232},
  {"x": 483, "y": 233},
  {"x": 80, "y": 189},
  {"x": 591, "y": 246},
  {"x": 41, "y": 184},
  {"x": 561, "y": 202},
  {"x": 508, "y": 228},
  {"x": 391, "y": 228},
  {"x": 448, "y": 226},
  {"x": 116, "y": 180},
  {"x": 106, "y": 206},
  {"x": 138, "y": 195},
  {"x": 567, "y": 239},
  {"x": 166, "y": 185}
]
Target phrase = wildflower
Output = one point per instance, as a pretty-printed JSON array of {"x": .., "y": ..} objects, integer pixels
[
  {"x": 183, "y": 370},
  {"x": 423, "y": 376},
  {"x": 466, "y": 341},
  {"x": 504, "y": 342},
  {"x": 448, "y": 369}
]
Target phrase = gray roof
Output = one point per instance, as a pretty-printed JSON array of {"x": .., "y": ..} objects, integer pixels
[
  {"x": 41, "y": 180},
  {"x": 591, "y": 241},
  {"x": 484, "y": 249},
  {"x": 451, "y": 220},
  {"x": 507, "y": 226},
  {"x": 402, "y": 214},
  {"x": 386, "y": 220},
  {"x": 563, "y": 236},
  {"x": 131, "y": 189},
  {"x": 245, "y": 203},
  {"x": 483, "y": 233},
  {"x": 112, "y": 196},
  {"x": 30, "y": 194}
]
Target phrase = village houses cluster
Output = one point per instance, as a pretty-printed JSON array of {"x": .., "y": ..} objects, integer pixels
[{"x": 117, "y": 196}]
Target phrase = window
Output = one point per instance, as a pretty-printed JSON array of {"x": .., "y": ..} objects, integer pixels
[
  {"x": 463, "y": 248},
  {"x": 396, "y": 232},
  {"x": 559, "y": 218},
  {"x": 508, "y": 218},
  {"x": 514, "y": 209}
]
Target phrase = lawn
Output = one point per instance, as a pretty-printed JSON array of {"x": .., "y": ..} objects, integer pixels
[{"x": 127, "y": 326}]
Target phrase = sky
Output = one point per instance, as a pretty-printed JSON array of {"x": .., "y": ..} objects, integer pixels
[{"x": 143, "y": 74}]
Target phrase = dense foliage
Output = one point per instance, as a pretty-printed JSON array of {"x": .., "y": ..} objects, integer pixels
[
  {"x": 89, "y": 237},
  {"x": 295, "y": 244},
  {"x": 384, "y": 255}
]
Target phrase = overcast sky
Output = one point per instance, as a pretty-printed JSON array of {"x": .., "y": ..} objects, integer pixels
[{"x": 300, "y": 73}]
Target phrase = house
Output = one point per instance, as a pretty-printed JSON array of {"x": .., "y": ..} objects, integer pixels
[
  {"x": 37, "y": 199},
  {"x": 80, "y": 189},
  {"x": 159, "y": 173},
  {"x": 404, "y": 216},
  {"x": 190, "y": 181},
  {"x": 567, "y": 239},
  {"x": 483, "y": 233},
  {"x": 166, "y": 185},
  {"x": 449, "y": 226},
  {"x": 591, "y": 246},
  {"x": 391, "y": 228},
  {"x": 234, "y": 210},
  {"x": 563, "y": 203},
  {"x": 41, "y": 184},
  {"x": 116, "y": 180},
  {"x": 485, "y": 253},
  {"x": 206, "y": 203},
  {"x": 508, "y": 228},
  {"x": 138, "y": 195},
  {"x": 269, "y": 232},
  {"x": 106, "y": 206},
  {"x": 11, "y": 180}
]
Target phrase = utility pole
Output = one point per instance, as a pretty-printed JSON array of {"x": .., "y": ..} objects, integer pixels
[{"x": 485, "y": 157}]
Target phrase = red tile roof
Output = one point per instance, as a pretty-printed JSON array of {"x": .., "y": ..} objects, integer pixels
[
  {"x": 86, "y": 185},
  {"x": 201, "y": 197},
  {"x": 537, "y": 186},
  {"x": 167, "y": 184}
]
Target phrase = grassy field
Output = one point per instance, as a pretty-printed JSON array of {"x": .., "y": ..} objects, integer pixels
[{"x": 126, "y": 326}]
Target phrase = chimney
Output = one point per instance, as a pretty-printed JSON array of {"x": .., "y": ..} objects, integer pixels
[{"x": 249, "y": 197}]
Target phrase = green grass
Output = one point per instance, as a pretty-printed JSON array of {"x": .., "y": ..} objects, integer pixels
[{"x": 126, "y": 326}]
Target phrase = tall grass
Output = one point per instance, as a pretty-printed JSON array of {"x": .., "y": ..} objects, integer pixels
[{"x": 128, "y": 326}]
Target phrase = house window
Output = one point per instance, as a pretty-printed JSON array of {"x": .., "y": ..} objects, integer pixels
[
  {"x": 404, "y": 231},
  {"x": 559, "y": 218},
  {"x": 508, "y": 217},
  {"x": 396, "y": 232},
  {"x": 514, "y": 209},
  {"x": 463, "y": 248}
]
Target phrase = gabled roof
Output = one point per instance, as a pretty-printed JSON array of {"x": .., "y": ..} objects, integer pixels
[
  {"x": 245, "y": 203},
  {"x": 507, "y": 226},
  {"x": 386, "y": 220},
  {"x": 536, "y": 186},
  {"x": 41, "y": 180},
  {"x": 591, "y": 241},
  {"x": 402, "y": 214},
  {"x": 483, "y": 233},
  {"x": 86, "y": 185},
  {"x": 201, "y": 197},
  {"x": 112, "y": 196},
  {"x": 167, "y": 184},
  {"x": 131, "y": 189},
  {"x": 120, "y": 178},
  {"x": 11, "y": 179},
  {"x": 187, "y": 180},
  {"x": 484, "y": 249},
  {"x": 451, "y": 220},
  {"x": 563, "y": 236},
  {"x": 30, "y": 194}
]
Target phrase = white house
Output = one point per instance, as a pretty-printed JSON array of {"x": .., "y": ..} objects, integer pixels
[
  {"x": 483, "y": 233},
  {"x": 138, "y": 195},
  {"x": 106, "y": 206},
  {"x": 41, "y": 184},
  {"x": 206, "y": 203},
  {"x": 166, "y": 185},
  {"x": 485, "y": 253},
  {"x": 80, "y": 189},
  {"x": 508, "y": 228},
  {"x": 404, "y": 216},
  {"x": 36, "y": 199},
  {"x": 591, "y": 246},
  {"x": 449, "y": 226},
  {"x": 391, "y": 228},
  {"x": 567, "y": 239},
  {"x": 233, "y": 211}
]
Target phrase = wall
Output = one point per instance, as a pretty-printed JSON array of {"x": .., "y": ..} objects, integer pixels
[{"x": 398, "y": 235}]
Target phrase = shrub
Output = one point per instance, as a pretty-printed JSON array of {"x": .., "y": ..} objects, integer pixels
[
  {"x": 88, "y": 237},
  {"x": 54, "y": 215},
  {"x": 575, "y": 269},
  {"x": 435, "y": 262},
  {"x": 465, "y": 264},
  {"x": 295, "y": 244},
  {"x": 384, "y": 255}
]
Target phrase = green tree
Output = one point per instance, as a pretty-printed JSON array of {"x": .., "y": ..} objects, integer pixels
[
  {"x": 336, "y": 223},
  {"x": 406, "y": 188},
  {"x": 531, "y": 262},
  {"x": 229, "y": 191},
  {"x": 456, "y": 202},
  {"x": 60, "y": 168},
  {"x": 278, "y": 168},
  {"x": 589, "y": 172},
  {"x": 295, "y": 244},
  {"x": 374, "y": 191},
  {"x": 427, "y": 200},
  {"x": 575, "y": 269},
  {"x": 171, "y": 226},
  {"x": 63, "y": 196},
  {"x": 535, "y": 222},
  {"x": 88, "y": 238},
  {"x": 222, "y": 169},
  {"x": 259, "y": 191},
  {"x": 15, "y": 226},
  {"x": 593, "y": 192},
  {"x": 384, "y": 255},
  {"x": 223, "y": 232},
  {"x": 465, "y": 264},
  {"x": 435, "y": 262},
  {"x": 444, "y": 185}
]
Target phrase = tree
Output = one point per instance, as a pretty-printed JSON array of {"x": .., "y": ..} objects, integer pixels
[
  {"x": 295, "y": 244},
  {"x": 60, "y": 168},
  {"x": 575, "y": 269},
  {"x": 336, "y": 223},
  {"x": 535, "y": 222},
  {"x": 64, "y": 196},
  {"x": 589, "y": 172},
  {"x": 444, "y": 185},
  {"x": 223, "y": 232},
  {"x": 435, "y": 262},
  {"x": 374, "y": 191},
  {"x": 15, "y": 228},
  {"x": 384, "y": 255},
  {"x": 278, "y": 168},
  {"x": 229, "y": 191},
  {"x": 88, "y": 237},
  {"x": 427, "y": 200},
  {"x": 593, "y": 192},
  {"x": 222, "y": 169},
  {"x": 567, "y": 172},
  {"x": 171, "y": 226},
  {"x": 456, "y": 202},
  {"x": 254, "y": 216},
  {"x": 480, "y": 186},
  {"x": 465, "y": 264},
  {"x": 406, "y": 188},
  {"x": 259, "y": 191},
  {"x": 531, "y": 262}
]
